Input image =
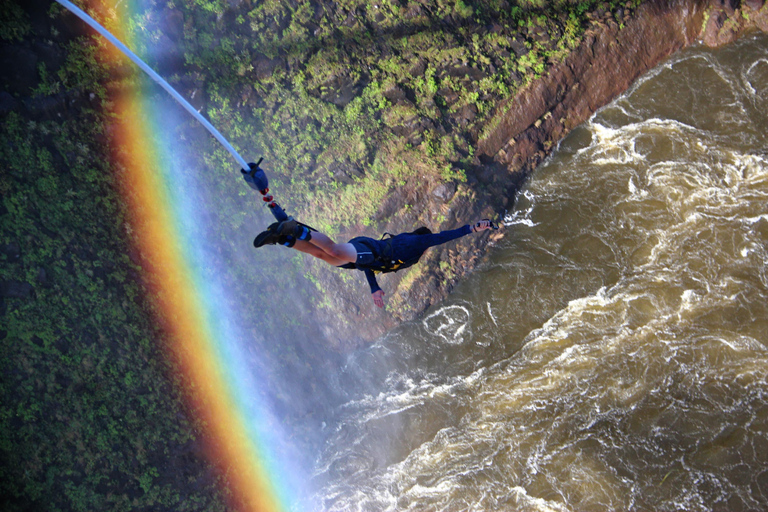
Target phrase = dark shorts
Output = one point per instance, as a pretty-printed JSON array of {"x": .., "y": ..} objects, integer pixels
[{"x": 368, "y": 250}]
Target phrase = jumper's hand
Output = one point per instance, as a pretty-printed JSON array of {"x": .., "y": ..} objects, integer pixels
[
  {"x": 378, "y": 298},
  {"x": 482, "y": 225}
]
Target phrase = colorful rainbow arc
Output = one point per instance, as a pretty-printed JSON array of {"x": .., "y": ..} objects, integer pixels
[{"x": 257, "y": 480}]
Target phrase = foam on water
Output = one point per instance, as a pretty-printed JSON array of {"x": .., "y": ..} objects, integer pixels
[
  {"x": 612, "y": 353},
  {"x": 449, "y": 323}
]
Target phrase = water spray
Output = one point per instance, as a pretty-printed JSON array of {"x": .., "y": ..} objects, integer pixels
[{"x": 258, "y": 179}]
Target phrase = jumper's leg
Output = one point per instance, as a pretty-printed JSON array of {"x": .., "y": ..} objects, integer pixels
[
  {"x": 344, "y": 252},
  {"x": 317, "y": 252}
]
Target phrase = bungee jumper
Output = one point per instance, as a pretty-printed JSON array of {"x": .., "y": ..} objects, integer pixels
[
  {"x": 389, "y": 254},
  {"x": 363, "y": 253}
]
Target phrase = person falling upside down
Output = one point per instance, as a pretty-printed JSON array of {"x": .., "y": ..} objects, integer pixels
[{"x": 363, "y": 253}]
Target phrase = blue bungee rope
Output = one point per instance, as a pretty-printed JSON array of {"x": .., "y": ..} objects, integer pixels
[{"x": 252, "y": 173}]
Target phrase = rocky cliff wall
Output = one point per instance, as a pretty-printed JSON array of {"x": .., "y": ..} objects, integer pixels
[
  {"x": 525, "y": 129},
  {"x": 603, "y": 67}
]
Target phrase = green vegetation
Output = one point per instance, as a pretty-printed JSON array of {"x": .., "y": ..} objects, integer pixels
[
  {"x": 88, "y": 399},
  {"x": 334, "y": 92},
  {"x": 14, "y": 24},
  {"x": 92, "y": 417},
  {"x": 355, "y": 104}
]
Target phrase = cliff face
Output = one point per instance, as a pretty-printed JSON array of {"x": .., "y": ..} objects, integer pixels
[
  {"x": 604, "y": 66},
  {"x": 460, "y": 151},
  {"x": 84, "y": 360},
  {"x": 526, "y": 128}
]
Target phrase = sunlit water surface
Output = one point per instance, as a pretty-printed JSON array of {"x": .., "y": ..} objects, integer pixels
[{"x": 611, "y": 355}]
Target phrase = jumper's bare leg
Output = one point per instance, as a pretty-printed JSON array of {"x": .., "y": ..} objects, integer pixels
[
  {"x": 317, "y": 252},
  {"x": 344, "y": 252}
]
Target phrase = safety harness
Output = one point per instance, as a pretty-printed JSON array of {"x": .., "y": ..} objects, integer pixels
[{"x": 386, "y": 259}]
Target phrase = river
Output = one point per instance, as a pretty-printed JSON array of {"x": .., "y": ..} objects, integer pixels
[{"x": 611, "y": 353}]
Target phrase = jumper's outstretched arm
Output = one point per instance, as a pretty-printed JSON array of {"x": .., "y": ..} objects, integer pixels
[{"x": 323, "y": 247}]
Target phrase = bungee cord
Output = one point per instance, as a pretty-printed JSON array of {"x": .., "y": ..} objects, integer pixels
[
  {"x": 253, "y": 174},
  {"x": 157, "y": 78}
]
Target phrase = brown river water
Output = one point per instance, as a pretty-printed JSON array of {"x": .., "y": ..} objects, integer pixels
[{"x": 612, "y": 354}]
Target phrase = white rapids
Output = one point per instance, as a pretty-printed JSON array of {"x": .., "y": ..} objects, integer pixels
[{"x": 611, "y": 355}]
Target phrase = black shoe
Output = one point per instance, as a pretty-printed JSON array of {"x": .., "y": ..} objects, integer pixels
[
  {"x": 287, "y": 240},
  {"x": 268, "y": 237},
  {"x": 288, "y": 227},
  {"x": 296, "y": 229}
]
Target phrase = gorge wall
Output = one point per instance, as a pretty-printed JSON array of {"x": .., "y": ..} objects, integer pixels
[
  {"x": 620, "y": 44},
  {"x": 525, "y": 129}
]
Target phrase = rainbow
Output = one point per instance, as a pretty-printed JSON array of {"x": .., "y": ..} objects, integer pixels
[{"x": 241, "y": 431}]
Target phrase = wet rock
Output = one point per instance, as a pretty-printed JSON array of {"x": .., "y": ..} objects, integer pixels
[
  {"x": 341, "y": 90},
  {"x": 415, "y": 139},
  {"x": 519, "y": 48},
  {"x": 495, "y": 28},
  {"x": 444, "y": 191},
  {"x": 485, "y": 174},
  {"x": 464, "y": 115},
  {"x": 394, "y": 94},
  {"x": 729, "y": 6},
  {"x": 448, "y": 96},
  {"x": 264, "y": 67},
  {"x": 392, "y": 203},
  {"x": 413, "y": 10},
  {"x": 464, "y": 71},
  {"x": 173, "y": 24},
  {"x": 417, "y": 69},
  {"x": 413, "y": 126},
  {"x": 540, "y": 35},
  {"x": 345, "y": 172},
  {"x": 314, "y": 29},
  {"x": 15, "y": 289},
  {"x": 350, "y": 20},
  {"x": 714, "y": 25}
]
